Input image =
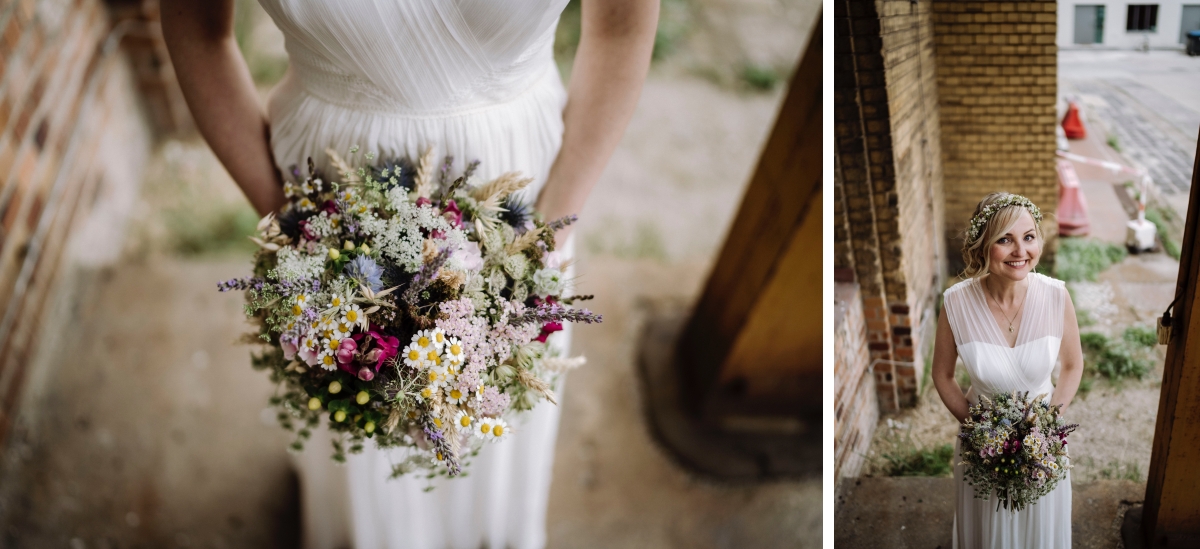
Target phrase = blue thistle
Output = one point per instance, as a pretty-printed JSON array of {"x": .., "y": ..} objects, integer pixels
[
  {"x": 518, "y": 213},
  {"x": 366, "y": 272}
]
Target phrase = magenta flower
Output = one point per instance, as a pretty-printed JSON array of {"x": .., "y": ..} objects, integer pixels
[
  {"x": 389, "y": 345},
  {"x": 452, "y": 213},
  {"x": 547, "y": 329}
]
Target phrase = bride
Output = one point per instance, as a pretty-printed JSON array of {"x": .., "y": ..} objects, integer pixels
[
  {"x": 472, "y": 78},
  {"x": 1009, "y": 325}
]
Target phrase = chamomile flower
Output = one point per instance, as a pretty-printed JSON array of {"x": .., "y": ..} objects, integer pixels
[
  {"x": 299, "y": 304},
  {"x": 425, "y": 394},
  {"x": 500, "y": 430},
  {"x": 464, "y": 420},
  {"x": 438, "y": 337},
  {"x": 483, "y": 427},
  {"x": 453, "y": 352},
  {"x": 343, "y": 330},
  {"x": 422, "y": 340},
  {"x": 455, "y": 396},
  {"x": 412, "y": 357},
  {"x": 435, "y": 376},
  {"x": 327, "y": 361},
  {"x": 432, "y": 357},
  {"x": 354, "y": 316},
  {"x": 305, "y": 205},
  {"x": 330, "y": 345},
  {"x": 336, "y": 301}
]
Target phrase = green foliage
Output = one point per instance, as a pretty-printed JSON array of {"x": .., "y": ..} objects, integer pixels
[
  {"x": 197, "y": 230},
  {"x": 760, "y": 78},
  {"x": 1159, "y": 217},
  {"x": 1116, "y": 470},
  {"x": 1082, "y": 259},
  {"x": 1114, "y": 360},
  {"x": 910, "y": 461},
  {"x": 1140, "y": 335},
  {"x": 1112, "y": 142}
]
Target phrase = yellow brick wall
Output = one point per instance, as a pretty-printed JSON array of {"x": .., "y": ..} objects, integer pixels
[{"x": 997, "y": 83}]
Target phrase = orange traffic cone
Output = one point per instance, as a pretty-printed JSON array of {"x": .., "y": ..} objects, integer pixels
[{"x": 1072, "y": 124}]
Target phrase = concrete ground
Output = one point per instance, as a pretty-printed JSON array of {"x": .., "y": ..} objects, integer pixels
[{"x": 151, "y": 430}]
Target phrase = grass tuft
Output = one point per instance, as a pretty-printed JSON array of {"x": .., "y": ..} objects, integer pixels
[
  {"x": 1083, "y": 259},
  {"x": 910, "y": 461}
]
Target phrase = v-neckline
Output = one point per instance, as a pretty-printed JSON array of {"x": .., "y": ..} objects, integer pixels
[{"x": 996, "y": 323}]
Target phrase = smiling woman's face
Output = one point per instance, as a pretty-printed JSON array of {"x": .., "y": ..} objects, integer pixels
[{"x": 1016, "y": 253}]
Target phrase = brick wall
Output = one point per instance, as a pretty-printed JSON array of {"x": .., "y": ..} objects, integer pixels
[
  {"x": 997, "y": 83},
  {"x": 73, "y": 134},
  {"x": 889, "y": 193},
  {"x": 856, "y": 405}
]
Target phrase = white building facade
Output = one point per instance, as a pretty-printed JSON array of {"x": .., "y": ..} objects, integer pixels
[{"x": 1126, "y": 25}]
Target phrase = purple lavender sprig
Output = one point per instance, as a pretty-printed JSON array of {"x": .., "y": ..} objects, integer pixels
[
  {"x": 425, "y": 276},
  {"x": 241, "y": 284},
  {"x": 560, "y": 223},
  {"x": 553, "y": 312},
  {"x": 440, "y": 445}
]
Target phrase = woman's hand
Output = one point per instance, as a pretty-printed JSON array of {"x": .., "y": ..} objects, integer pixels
[
  {"x": 1070, "y": 354},
  {"x": 945, "y": 355},
  {"x": 220, "y": 93},
  {"x": 616, "y": 40}
]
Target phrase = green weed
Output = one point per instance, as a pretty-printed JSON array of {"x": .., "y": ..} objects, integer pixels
[
  {"x": 1082, "y": 259},
  {"x": 195, "y": 231},
  {"x": 910, "y": 461},
  {"x": 1112, "y": 142},
  {"x": 1157, "y": 217},
  {"x": 1140, "y": 335},
  {"x": 760, "y": 78},
  {"x": 1114, "y": 360}
]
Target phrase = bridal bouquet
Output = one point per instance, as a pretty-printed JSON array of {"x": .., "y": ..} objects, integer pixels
[
  {"x": 1015, "y": 448},
  {"x": 407, "y": 308}
]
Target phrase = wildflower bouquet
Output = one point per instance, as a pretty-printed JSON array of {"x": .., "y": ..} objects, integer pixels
[
  {"x": 407, "y": 308},
  {"x": 1015, "y": 448}
]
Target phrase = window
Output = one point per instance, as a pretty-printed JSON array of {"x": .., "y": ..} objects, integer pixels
[{"x": 1142, "y": 18}]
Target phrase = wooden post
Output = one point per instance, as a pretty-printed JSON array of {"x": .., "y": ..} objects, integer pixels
[
  {"x": 753, "y": 343},
  {"x": 1171, "y": 517}
]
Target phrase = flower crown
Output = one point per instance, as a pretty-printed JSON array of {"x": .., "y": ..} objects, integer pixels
[{"x": 980, "y": 221}]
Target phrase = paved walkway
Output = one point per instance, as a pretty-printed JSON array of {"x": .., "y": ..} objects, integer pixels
[{"x": 1150, "y": 103}]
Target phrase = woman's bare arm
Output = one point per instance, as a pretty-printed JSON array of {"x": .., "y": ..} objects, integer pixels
[
  {"x": 1071, "y": 355},
  {"x": 615, "y": 44},
  {"x": 220, "y": 93},
  {"x": 945, "y": 355}
]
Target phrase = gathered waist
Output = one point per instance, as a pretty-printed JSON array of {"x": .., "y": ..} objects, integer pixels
[{"x": 355, "y": 94}]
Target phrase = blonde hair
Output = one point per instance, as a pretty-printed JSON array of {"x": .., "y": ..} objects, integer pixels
[{"x": 988, "y": 229}]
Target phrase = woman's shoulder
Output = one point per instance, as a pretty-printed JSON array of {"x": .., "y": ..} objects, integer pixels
[
  {"x": 958, "y": 287},
  {"x": 1048, "y": 280}
]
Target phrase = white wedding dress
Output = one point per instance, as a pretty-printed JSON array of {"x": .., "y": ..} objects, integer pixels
[
  {"x": 995, "y": 367},
  {"x": 475, "y": 79}
]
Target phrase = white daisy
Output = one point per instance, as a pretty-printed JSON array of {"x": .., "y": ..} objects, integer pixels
[
  {"x": 412, "y": 357},
  {"x": 336, "y": 301},
  {"x": 422, "y": 340},
  {"x": 455, "y": 396},
  {"x": 483, "y": 427},
  {"x": 464, "y": 420},
  {"x": 425, "y": 394},
  {"x": 453, "y": 353},
  {"x": 500, "y": 430},
  {"x": 299, "y": 304},
  {"x": 327, "y": 361},
  {"x": 354, "y": 316},
  {"x": 438, "y": 337},
  {"x": 435, "y": 376},
  {"x": 432, "y": 357}
]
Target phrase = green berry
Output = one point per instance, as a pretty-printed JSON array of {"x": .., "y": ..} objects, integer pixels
[
  {"x": 335, "y": 387},
  {"x": 314, "y": 403},
  {"x": 369, "y": 427},
  {"x": 339, "y": 416},
  {"x": 362, "y": 397},
  {"x": 334, "y": 254}
]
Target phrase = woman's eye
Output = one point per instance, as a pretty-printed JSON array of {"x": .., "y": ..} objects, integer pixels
[
  {"x": 1003, "y": 240},
  {"x": 1028, "y": 237}
]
